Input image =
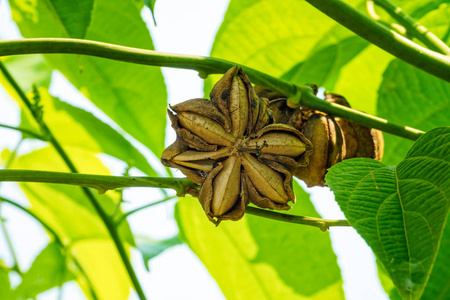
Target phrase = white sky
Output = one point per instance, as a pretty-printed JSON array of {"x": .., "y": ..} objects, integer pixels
[{"x": 185, "y": 27}]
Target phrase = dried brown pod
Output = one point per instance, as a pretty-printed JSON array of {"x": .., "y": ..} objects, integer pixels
[
  {"x": 326, "y": 137},
  {"x": 229, "y": 146},
  {"x": 357, "y": 140},
  {"x": 360, "y": 141}
]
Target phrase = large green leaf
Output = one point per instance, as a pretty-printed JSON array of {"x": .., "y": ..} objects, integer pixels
[
  {"x": 400, "y": 211},
  {"x": 275, "y": 37},
  {"x": 387, "y": 283},
  {"x": 323, "y": 65},
  {"x": 132, "y": 95},
  {"x": 265, "y": 259},
  {"x": 48, "y": 270},
  {"x": 438, "y": 287},
  {"x": 76, "y": 128},
  {"x": 360, "y": 78},
  {"x": 75, "y": 16},
  {"x": 412, "y": 97}
]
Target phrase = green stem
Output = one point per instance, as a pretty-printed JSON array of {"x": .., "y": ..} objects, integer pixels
[
  {"x": 392, "y": 42},
  {"x": 412, "y": 26},
  {"x": 100, "y": 182},
  {"x": 2, "y": 221},
  {"x": 25, "y": 131},
  {"x": 334, "y": 109},
  {"x": 109, "y": 224},
  {"x": 16, "y": 266},
  {"x": 370, "y": 7},
  {"x": 206, "y": 65},
  {"x": 322, "y": 224},
  {"x": 89, "y": 283},
  {"x": 36, "y": 217},
  {"x": 129, "y": 213},
  {"x": 13, "y": 154}
]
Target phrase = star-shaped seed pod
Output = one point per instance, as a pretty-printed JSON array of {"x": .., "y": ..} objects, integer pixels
[{"x": 229, "y": 145}]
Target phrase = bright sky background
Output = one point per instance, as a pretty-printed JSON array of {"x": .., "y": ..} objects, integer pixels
[{"x": 185, "y": 27}]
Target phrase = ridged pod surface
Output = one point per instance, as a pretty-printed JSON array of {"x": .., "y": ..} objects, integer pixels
[{"x": 231, "y": 148}]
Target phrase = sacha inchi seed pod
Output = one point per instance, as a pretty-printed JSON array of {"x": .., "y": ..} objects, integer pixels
[
  {"x": 333, "y": 139},
  {"x": 230, "y": 146}
]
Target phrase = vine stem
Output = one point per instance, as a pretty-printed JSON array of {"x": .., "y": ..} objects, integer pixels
[
  {"x": 390, "y": 41},
  {"x": 100, "y": 182},
  {"x": 103, "y": 183},
  {"x": 16, "y": 266},
  {"x": 322, "y": 224},
  {"x": 25, "y": 131},
  {"x": 302, "y": 94},
  {"x": 412, "y": 26},
  {"x": 122, "y": 217},
  {"x": 109, "y": 224}
]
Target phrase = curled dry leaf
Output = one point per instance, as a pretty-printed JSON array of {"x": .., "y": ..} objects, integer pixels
[{"x": 230, "y": 146}]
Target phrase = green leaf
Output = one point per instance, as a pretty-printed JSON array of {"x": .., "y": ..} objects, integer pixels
[
  {"x": 323, "y": 65},
  {"x": 265, "y": 259},
  {"x": 413, "y": 97},
  {"x": 438, "y": 286},
  {"x": 360, "y": 78},
  {"x": 295, "y": 41},
  {"x": 104, "y": 268},
  {"x": 75, "y": 16},
  {"x": 76, "y": 128},
  {"x": 437, "y": 21},
  {"x": 134, "y": 96},
  {"x": 400, "y": 211},
  {"x": 28, "y": 70},
  {"x": 48, "y": 270},
  {"x": 387, "y": 283},
  {"x": 150, "y": 248},
  {"x": 5, "y": 285},
  {"x": 273, "y": 37}
]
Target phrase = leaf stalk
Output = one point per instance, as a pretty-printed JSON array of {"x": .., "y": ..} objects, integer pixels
[{"x": 322, "y": 224}]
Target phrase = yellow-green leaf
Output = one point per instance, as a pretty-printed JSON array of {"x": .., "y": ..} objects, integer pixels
[
  {"x": 79, "y": 129},
  {"x": 134, "y": 96},
  {"x": 265, "y": 259},
  {"x": 69, "y": 213}
]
